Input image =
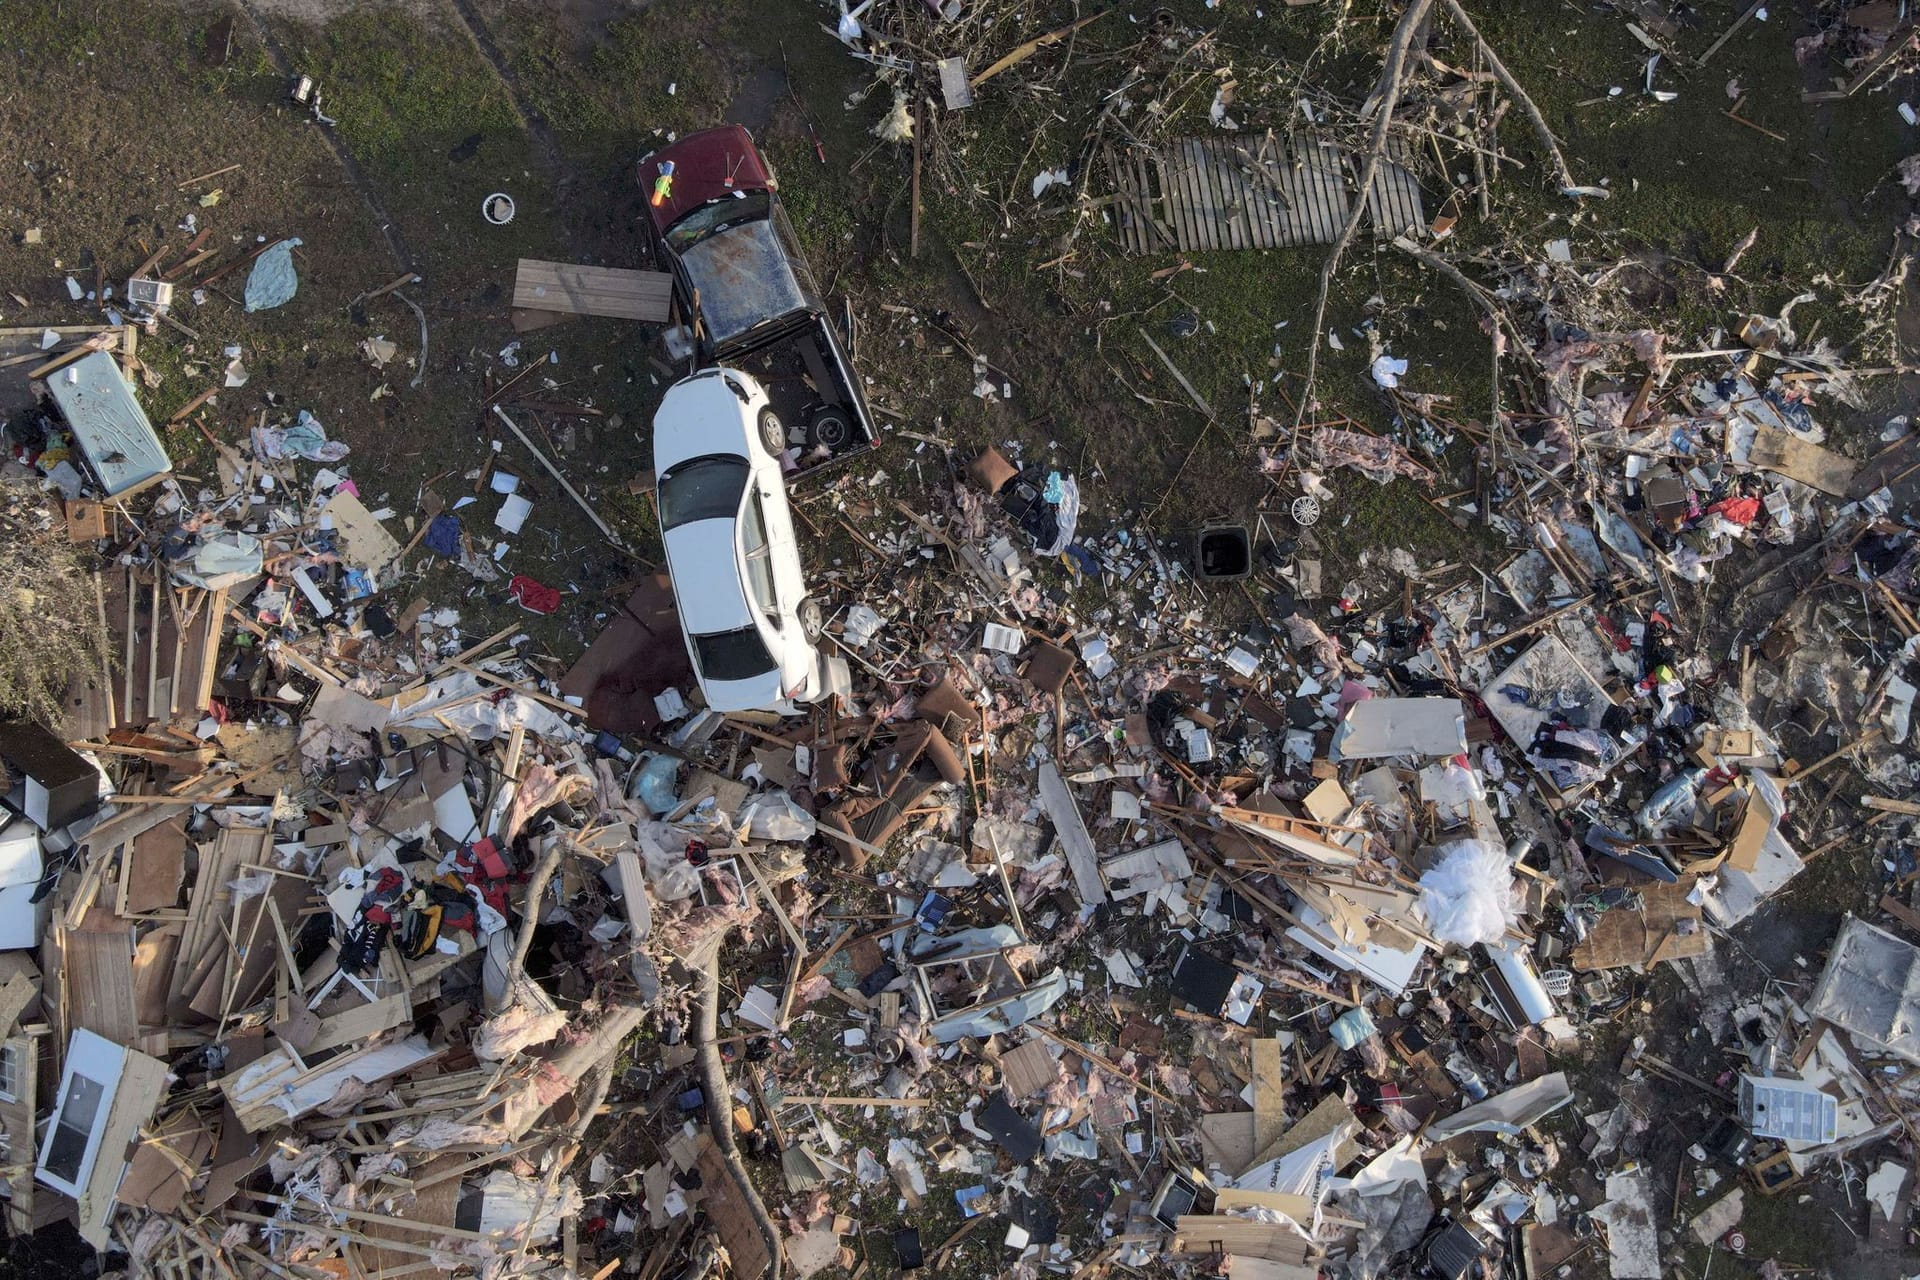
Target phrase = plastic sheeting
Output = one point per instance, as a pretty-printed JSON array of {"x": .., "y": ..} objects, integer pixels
[
  {"x": 223, "y": 559},
  {"x": 1467, "y": 896},
  {"x": 773, "y": 815},
  {"x": 273, "y": 281}
]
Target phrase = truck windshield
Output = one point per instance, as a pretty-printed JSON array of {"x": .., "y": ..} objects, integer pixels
[
  {"x": 732, "y": 655},
  {"x": 717, "y": 215},
  {"x": 702, "y": 489}
]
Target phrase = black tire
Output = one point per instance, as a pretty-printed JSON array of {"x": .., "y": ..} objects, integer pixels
[
  {"x": 812, "y": 622},
  {"x": 832, "y": 428},
  {"x": 773, "y": 433}
]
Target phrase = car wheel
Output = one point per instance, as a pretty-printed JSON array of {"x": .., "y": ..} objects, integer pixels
[
  {"x": 832, "y": 428},
  {"x": 812, "y": 622},
  {"x": 773, "y": 433}
]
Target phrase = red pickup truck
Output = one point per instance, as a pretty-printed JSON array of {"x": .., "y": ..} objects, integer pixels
[{"x": 717, "y": 225}]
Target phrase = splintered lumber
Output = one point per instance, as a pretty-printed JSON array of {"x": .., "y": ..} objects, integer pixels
[
  {"x": 1072, "y": 830},
  {"x": 203, "y": 945},
  {"x": 614, "y": 292}
]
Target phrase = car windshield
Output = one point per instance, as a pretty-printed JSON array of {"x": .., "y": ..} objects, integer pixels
[
  {"x": 732, "y": 655},
  {"x": 702, "y": 489},
  {"x": 716, "y": 215}
]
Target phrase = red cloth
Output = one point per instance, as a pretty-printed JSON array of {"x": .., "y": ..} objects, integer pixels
[
  {"x": 1741, "y": 511},
  {"x": 533, "y": 596}
]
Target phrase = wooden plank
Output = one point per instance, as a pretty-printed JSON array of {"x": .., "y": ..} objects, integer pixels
[
  {"x": 1155, "y": 205},
  {"x": 363, "y": 1022},
  {"x": 1246, "y": 198},
  {"x": 574, "y": 289},
  {"x": 1899, "y": 910},
  {"x": 1233, "y": 198},
  {"x": 208, "y": 909},
  {"x": 1269, "y": 1092},
  {"x": 1190, "y": 184},
  {"x": 1129, "y": 214},
  {"x": 1072, "y": 830},
  {"x": 733, "y": 1222},
  {"x": 1170, "y": 202}
]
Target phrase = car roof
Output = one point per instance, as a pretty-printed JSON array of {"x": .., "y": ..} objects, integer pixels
[
  {"x": 705, "y": 568},
  {"x": 743, "y": 276},
  {"x": 702, "y": 164},
  {"x": 698, "y": 417}
]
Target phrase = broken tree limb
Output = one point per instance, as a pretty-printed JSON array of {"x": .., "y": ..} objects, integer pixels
[
  {"x": 1022, "y": 52},
  {"x": 1392, "y": 76},
  {"x": 1550, "y": 144}
]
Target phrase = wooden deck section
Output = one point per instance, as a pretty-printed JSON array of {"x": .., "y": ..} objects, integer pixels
[{"x": 1244, "y": 192}]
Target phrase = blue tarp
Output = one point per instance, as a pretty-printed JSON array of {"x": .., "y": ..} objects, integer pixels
[{"x": 273, "y": 281}]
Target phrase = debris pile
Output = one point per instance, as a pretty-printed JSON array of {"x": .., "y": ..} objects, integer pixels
[{"x": 1206, "y": 900}]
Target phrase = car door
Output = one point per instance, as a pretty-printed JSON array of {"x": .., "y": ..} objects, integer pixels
[
  {"x": 757, "y": 559},
  {"x": 784, "y": 548}
]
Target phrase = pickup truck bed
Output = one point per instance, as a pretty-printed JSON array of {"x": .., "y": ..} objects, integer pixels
[{"x": 803, "y": 376}]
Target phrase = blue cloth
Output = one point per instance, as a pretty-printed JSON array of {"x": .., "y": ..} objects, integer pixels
[
  {"x": 443, "y": 536},
  {"x": 1056, "y": 488}
]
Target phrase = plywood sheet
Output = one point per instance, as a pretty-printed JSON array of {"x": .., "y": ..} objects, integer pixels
[
  {"x": 97, "y": 969},
  {"x": 434, "y": 1206},
  {"x": 1269, "y": 1092},
  {"x": 364, "y": 541},
  {"x": 1621, "y": 938},
  {"x": 731, "y": 1219},
  {"x": 1784, "y": 453},
  {"x": 154, "y": 868},
  {"x": 1028, "y": 1068}
]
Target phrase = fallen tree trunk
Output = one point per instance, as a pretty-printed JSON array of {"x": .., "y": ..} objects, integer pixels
[
  {"x": 534, "y": 1096},
  {"x": 713, "y": 1075}
]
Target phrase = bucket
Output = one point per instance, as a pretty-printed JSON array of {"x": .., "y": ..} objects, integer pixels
[{"x": 1223, "y": 552}]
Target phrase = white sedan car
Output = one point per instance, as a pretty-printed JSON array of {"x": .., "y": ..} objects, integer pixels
[{"x": 749, "y": 624}]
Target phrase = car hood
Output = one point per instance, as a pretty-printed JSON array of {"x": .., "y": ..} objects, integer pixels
[
  {"x": 698, "y": 416},
  {"x": 744, "y": 277},
  {"x": 704, "y": 565}
]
